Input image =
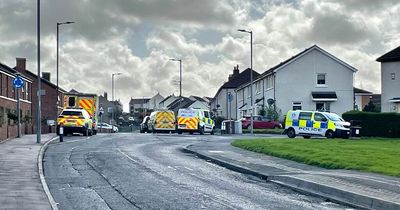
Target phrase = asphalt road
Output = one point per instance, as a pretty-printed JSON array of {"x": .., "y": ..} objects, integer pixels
[{"x": 146, "y": 171}]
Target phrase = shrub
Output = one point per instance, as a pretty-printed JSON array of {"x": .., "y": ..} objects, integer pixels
[{"x": 376, "y": 124}]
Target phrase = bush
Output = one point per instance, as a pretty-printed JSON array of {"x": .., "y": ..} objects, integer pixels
[{"x": 376, "y": 124}]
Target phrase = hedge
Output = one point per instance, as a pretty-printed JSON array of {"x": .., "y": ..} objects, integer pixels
[{"x": 376, "y": 124}]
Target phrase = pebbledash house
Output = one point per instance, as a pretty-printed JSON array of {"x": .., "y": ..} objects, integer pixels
[{"x": 311, "y": 80}]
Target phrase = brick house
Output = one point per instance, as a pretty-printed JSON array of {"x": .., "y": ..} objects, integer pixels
[
  {"x": 50, "y": 109},
  {"x": 8, "y": 104}
]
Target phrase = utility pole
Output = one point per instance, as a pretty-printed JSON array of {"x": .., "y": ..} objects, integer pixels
[
  {"x": 180, "y": 79},
  {"x": 251, "y": 76},
  {"x": 112, "y": 98},
  {"x": 39, "y": 88}
]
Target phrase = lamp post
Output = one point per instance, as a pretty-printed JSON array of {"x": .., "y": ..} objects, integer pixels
[
  {"x": 39, "y": 92},
  {"x": 180, "y": 79},
  {"x": 251, "y": 75},
  {"x": 112, "y": 97},
  {"x": 58, "y": 29}
]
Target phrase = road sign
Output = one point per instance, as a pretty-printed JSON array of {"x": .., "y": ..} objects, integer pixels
[
  {"x": 18, "y": 82},
  {"x": 101, "y": 111}
]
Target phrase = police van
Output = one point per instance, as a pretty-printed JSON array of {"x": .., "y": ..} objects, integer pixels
[
  {"x": 314, "y": 123},
  {"x": 195, "y": 120}
]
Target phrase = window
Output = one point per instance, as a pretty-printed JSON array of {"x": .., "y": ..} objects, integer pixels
[
  {"x": 71, "y": 101},
  {"x": 321, "y": 79},
  {"x": 2, "y": 116},
  {"x": 296, "y": 106},
  {"x": 320, "y": 117},
  {"x": 270, "y": 82},
  {"x": 305, "y": 115},
  {"x": 393, "y": 76},
  {"x": 206, "y": 115},
  {"x": 322, "y": 106}
]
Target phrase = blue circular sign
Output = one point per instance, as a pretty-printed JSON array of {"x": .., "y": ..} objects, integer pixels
[{"x": 18, "y": 82}]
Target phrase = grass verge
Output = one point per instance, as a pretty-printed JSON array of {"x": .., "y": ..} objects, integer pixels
[{"x": 376, "y": 155}]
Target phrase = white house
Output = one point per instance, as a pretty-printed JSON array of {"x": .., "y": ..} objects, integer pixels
[
  {"x": 311, "y": 80},
  {"x": 167, "y": 101},
  {"x": 390, "y": 81},
  {"x": 154, "y": 102},
  {"x": 224, "y": 102}
]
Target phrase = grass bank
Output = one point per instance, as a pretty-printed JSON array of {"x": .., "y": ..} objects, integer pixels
[{"x": 376, "y": 155}]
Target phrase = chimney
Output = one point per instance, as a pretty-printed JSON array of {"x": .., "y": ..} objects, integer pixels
[
  {"x": 21, "y": 65},
  {"x": 230, "y": 77},
  {"x": 236, "y": 71},
  {"x": 46, "y": 76}
]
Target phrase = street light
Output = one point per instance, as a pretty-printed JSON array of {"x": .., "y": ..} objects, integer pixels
[
  {"x": 251, "y": 75},
  {"x": 58, "y": 26},
  {"x": 180, "y": 79},
  {"x": 112, "y": 97},
  {"x": 39, "y": 92}
]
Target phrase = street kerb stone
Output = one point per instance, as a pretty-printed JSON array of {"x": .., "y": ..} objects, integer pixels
[{"x": 304, "y": 186}]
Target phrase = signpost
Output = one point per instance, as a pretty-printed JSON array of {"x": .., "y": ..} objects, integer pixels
[
  {"x": 18, "y": 83},
  {"x": 101, "y": 112}
]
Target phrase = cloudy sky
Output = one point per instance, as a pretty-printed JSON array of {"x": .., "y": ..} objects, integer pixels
[{"x": 137, "y": 38}]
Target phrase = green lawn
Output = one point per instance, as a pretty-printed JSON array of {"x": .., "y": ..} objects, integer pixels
[{"x": 377, "y": 155}]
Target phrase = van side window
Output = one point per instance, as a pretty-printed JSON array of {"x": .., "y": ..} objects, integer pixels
[
  {"x": 71, "y": 101},
  {"x": 305, "y": 115},
  {"x": 319, "y": 117},
  {"x": 206, "y": 115}
]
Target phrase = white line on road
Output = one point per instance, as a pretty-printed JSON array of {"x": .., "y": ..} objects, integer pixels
[{"x": 126, "y": 155}]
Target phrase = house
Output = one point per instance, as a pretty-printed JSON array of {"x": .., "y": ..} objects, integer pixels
[
  {"x": 137, "y": 105},
  {"x": 224, "y": 103},
  {"x": 167, "y": 101},
  {"x": 390, "y": 81},
  {"x": 311, "y": 80},
  {"x": 8, "y": 104},
  {"x": 108, "y": 106},
  {"x": 361, "y": 98},
  {"x": 199, "y": 102},
  {"x": 154, "y": 102},
  {"x": 51, "y": 100}
]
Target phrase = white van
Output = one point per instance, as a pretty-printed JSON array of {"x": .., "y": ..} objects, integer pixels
[{"x": 314, "y": 123}]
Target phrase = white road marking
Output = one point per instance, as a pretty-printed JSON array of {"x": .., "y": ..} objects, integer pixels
[{"x": 127, "y": 156}]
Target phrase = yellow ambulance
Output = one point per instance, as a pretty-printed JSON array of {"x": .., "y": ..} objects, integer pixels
[
  {"x": 161, "y": 121},
  {"x": 314, "y": 123}
]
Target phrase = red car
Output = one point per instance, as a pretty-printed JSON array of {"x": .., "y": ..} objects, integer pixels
[{"x": 260, "y": 122}]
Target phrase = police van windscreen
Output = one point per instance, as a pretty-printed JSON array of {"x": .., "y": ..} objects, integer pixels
[{"x": 334, "y": 117}]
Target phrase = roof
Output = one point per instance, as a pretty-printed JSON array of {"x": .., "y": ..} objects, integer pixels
[
  {"x": 185, "y": 103},
  {"x": 391, "y": 56},
  {"x": 168, "y": 97},
  {"x": 295, "y": 57},
  {"x": 139, "y": 100},
  {"x": 12, "y": 71},
  {"x": 45, "y": 81},
  {"x": 199, "y": 98},
  {"x": 358, "y": 90},
  {"x": 237, "y": 81}
]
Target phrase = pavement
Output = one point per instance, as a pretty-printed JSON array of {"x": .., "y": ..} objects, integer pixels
[
  {"x": 20, "y": 180},
  {"x": 357, "y": 189}
]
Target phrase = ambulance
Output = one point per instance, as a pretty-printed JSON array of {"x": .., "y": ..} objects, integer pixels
[
  {"x": 195, "y": 120},
  {"x": 88, "y": 102},
  {"x": 314, "y": 123},
  {"x": 161, "y": 121}
]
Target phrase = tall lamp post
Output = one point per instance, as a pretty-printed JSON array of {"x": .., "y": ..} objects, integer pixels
[
  {"x": 180, "y": 79},
  {"x": 112, "y": 97},
  {"x": 58, "y": 46},
  {"x": 251, "y": 75},
  {"x": 39, "y": 92}
]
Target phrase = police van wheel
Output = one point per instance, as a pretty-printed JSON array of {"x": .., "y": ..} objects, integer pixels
[
  {"x": 329, "y": 134},
  {"x": 201, "y": 131},
  {"x": 179, "y": 132},
  {"x": 291, "y": 133},
  {"x": 212, "y": 132}
]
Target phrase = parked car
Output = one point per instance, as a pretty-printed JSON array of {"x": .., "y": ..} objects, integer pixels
[
  {"x": 260, "y": 122},
  {"x": 144, "y": 127},
  {"x": 75, "y": 121},
  {"x": 108, "y": 127}
]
